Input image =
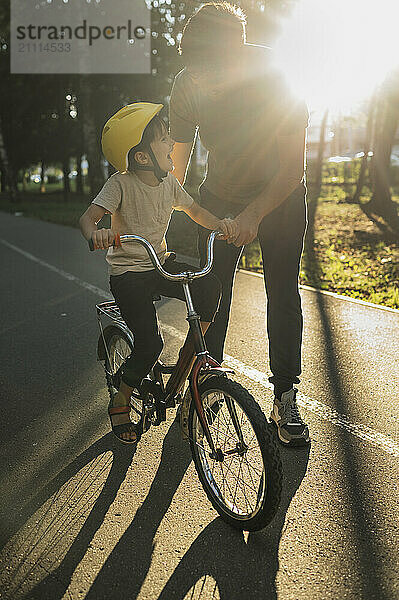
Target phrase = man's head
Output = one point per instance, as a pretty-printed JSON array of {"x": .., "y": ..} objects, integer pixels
[{"x": 212, "y": 37}]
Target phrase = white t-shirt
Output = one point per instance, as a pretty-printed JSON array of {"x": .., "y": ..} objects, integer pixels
[{"x": 139, "y": 209}]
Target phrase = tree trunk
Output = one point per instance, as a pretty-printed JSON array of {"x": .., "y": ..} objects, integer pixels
[
  {"x": 381, "y": 202},
  {"x": 3, "y": 183},
  {"x": 8, "y": 175},
  {"x": 65, "y": 171},
  {"x": 79, "y": 176},
  {"x": 91, "y": 136},
  {"x": 42, "y": 184},
  {"x": 367, "y": 145},
  {"x": 320, "y": 156}
]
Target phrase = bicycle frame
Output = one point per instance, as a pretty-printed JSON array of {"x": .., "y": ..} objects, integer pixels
[{"x": 204, "y": 364}]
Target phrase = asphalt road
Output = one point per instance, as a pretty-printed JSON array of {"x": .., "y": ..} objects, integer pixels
[{"x": 83, "y": 516}]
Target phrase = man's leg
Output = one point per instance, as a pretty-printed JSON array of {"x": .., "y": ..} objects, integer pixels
[
  {"x": 226, "y": 258},
  {"x": 281, "y": 236}
]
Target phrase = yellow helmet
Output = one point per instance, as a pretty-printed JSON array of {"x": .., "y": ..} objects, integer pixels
[{"x": 124, "y": 130}]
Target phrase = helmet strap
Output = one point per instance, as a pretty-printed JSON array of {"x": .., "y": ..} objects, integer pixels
[{"x": 158, "y": 172}]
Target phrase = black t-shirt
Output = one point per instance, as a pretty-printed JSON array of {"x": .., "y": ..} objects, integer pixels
[{"x": 239, "y": 128}]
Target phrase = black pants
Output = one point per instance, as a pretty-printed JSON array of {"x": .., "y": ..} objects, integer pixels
[
  {"x": 280, "y": 236},
  {"x": 134, "y": 294}
]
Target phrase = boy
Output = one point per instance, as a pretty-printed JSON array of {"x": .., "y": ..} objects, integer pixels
[{"x": 140, "y": 198}]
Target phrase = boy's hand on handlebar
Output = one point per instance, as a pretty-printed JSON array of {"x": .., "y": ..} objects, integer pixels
[
  {"x": 104, "y": 238},
  {"x": 229, "y": 231}
]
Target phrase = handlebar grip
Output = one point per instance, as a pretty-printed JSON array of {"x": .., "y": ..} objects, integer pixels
[{"x": 116, "y": 242}]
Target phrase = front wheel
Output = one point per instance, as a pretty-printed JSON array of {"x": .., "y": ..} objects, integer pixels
[{"x": 243, "y": 481}]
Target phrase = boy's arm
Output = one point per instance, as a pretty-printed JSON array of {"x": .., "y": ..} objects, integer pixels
[
  {"x": 209, "y": 221},
  {"x": 102, "y": 238}
]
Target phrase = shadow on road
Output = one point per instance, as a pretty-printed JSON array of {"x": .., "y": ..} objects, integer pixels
[
  {"x": 366, "y": 559},
  {"x": 68, "y": 505},
  {"x": 73, "y": 510},
  {"x": 222, "y": 557},
  {"x": 124, "y": 572}
]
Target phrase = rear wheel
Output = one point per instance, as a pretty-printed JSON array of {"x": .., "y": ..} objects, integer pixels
[
  {"x": 118, "y": 349},
  {"x": 243, "y": 480}
]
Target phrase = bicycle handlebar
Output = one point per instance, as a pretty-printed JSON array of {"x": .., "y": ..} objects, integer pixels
[{"x": 156, "y": 262}]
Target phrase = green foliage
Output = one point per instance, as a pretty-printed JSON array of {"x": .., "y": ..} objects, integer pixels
[{"x": 347, "y": 254}]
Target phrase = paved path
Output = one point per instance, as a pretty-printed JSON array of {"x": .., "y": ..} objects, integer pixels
[{"x": 84, "y": 517}]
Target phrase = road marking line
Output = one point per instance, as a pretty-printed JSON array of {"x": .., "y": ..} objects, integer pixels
[
  {"x": 322, "y": 410},
  {"x": 362, "y": 432},
  {"x": 384, "y": 442},
  {"x": 65, "y": 274}
]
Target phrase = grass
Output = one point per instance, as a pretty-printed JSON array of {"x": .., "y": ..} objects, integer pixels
[
  {"x": 347, "y": 253},
  {"x": 344, "y": 251},
  {"x": 49, "y": 206}
]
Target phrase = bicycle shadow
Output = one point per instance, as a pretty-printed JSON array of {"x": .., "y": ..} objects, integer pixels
[
  {"x": 58, "y": 509},
  {"x": 127, "y": 566},
  {"x": 222, "y": 557},
  {"x": 219, "y": 551}
]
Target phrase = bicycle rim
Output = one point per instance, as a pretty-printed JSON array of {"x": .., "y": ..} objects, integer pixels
[{"x": 244, "y": 487}]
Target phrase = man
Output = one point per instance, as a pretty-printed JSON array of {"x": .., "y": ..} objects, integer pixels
[{"x": 254, "y": 131}]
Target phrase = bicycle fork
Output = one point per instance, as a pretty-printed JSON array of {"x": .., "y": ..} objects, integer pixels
[{"x": 206, "y": 363}]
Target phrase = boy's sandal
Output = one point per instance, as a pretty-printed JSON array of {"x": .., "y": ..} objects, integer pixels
[{"x": 123, "y": 427}]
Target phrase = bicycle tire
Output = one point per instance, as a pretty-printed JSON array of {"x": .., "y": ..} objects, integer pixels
[
  {"x": 210, "y": 471},
  {"x": 118, "y": 348}
]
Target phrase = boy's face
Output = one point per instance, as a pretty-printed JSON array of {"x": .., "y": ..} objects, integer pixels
[{"x": 162, "y": 146}]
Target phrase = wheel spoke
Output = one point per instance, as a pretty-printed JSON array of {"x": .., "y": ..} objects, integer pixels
[{"x": 238, "y": 482}]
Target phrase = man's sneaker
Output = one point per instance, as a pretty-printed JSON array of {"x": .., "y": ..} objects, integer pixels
[{"x": 291, "y": 430}]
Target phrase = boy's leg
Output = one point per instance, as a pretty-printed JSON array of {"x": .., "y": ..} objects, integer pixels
[
  {"x": 133, "y": 293},
  {"x": 281, "y": 236},
  {"x": 185, "y": 361}
]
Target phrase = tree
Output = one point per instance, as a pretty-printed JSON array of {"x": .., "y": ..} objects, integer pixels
[
  {"x": 367, "y": 146},
  {"x": 387, "y": 120},
  {"x": 320, "y": 156},
  {"x": 8, "y": 177}
]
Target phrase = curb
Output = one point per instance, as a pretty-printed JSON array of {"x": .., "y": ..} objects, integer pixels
[{"x": 309, "y": 288}]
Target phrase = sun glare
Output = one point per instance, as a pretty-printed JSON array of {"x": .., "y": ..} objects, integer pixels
[{"x": 336, "y": 52}]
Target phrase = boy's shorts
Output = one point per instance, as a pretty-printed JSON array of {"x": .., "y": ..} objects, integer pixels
[
  {"x": 133, "y": 291},
  {"x": 134, "y": 294}
]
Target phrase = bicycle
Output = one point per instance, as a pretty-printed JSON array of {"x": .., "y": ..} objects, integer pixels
[{"x": 234, "y": 451}]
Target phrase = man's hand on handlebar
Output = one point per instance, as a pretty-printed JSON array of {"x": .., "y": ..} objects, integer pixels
[
  {"x": 104, "y": 238},
  {"x": 229, "y": 230}
]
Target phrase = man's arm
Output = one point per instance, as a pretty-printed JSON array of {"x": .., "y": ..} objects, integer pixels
[
  {"x": 181, "y": 155},
  {"x": 291, "y": 151}
]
